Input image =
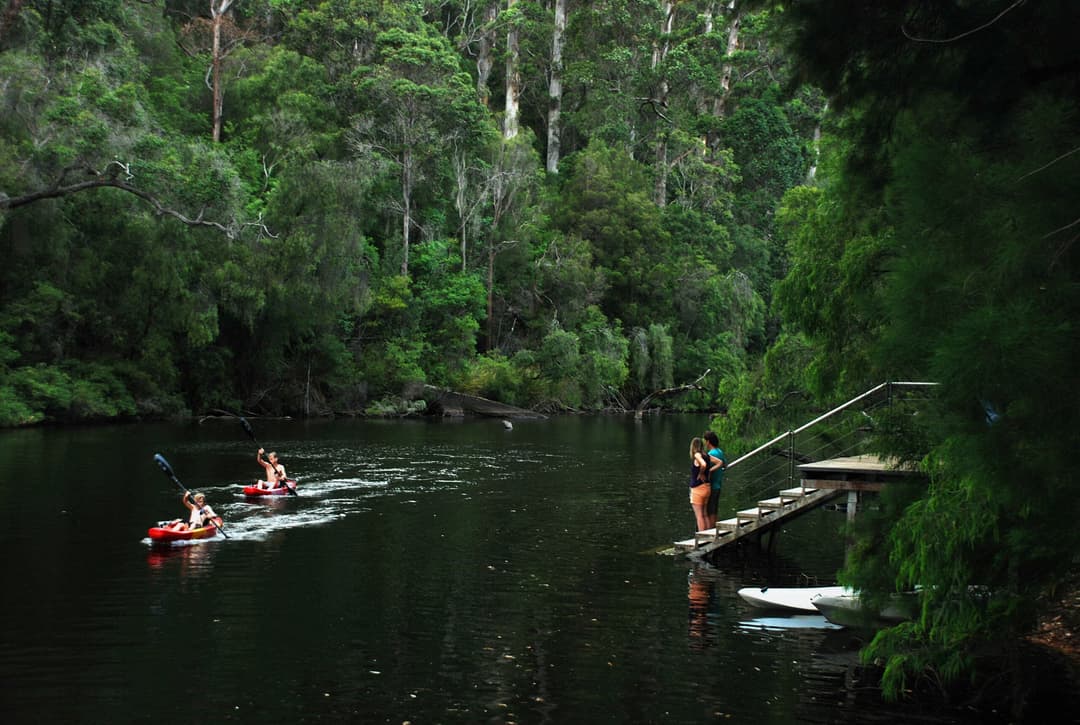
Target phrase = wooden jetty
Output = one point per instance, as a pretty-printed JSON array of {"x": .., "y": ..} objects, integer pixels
[
  {"x": 855, "y": 475},
  {"x": 821, "y": 481}
]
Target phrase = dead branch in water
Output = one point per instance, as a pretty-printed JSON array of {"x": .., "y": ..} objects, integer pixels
[{"x": 666, "y": 392}]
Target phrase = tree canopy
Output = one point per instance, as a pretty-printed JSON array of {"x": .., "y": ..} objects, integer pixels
[{"x": 293, "y": 207}]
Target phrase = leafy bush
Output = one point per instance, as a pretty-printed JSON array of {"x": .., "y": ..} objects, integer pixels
[
  {"x": 393, "y": 365},
  {"x": 604, "y": 357},
  {"x": 395, "y": 407},
  {"x": 14, "y": 411},
  {"x": 88, "y": 391},
  {"x": 491, "y": 376}
]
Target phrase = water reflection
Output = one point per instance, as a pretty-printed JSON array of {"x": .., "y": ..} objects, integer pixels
[
  {"x": 192, "y": 558},
  {"x": 782, "y": 623},
  {"x": 700, "y": 593}
]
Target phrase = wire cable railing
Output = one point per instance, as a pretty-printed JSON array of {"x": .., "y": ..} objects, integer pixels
[{"x": 848, "y": 428}]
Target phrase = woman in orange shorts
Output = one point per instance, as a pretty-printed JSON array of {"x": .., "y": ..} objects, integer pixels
[{"x": 699, "y": 481}]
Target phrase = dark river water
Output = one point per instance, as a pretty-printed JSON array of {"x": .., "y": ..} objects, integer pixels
[{"x": 429, "y": 572}]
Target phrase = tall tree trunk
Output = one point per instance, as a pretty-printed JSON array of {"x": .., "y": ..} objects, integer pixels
[
  {"x": 720, "y": 102},
  {"x": 485, "y": 57},
  {"x": 708, "y": 17},
  {"x": 513, "y": 76},
  {"x": 461, "y": 197},
  {"x": 812, "y": 172},
  {"x": 489, "y": 336},
  {"x": 660, "y": 51},
  {"x": 701, "y": 96},
  {"x": 218, "y": 8},
  {"x": 661, "y": 166},
  {"x": 554, "y": 131},
  {"x": 499, "y": 201},
  {"x": 406, "y": 204},
  {"x": 509, "y": 176}
]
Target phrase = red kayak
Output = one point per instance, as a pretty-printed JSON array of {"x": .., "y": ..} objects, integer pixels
[
  {"x": 256, "y": 491},
  {"x": 161, "y": 533}
]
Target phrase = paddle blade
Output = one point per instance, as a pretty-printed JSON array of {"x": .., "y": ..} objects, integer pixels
[
  {"x": 247, "y": 428},
  {"x": 220, "y": 524},
  {"x": 164, "y": 465}
]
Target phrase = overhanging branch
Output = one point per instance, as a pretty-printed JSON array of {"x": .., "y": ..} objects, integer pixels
[
  {"x": 655, "y": 104},
  {"x": 111, "y": 178}
]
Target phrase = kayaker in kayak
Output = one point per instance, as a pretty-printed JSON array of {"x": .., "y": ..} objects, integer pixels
[
  {"x": 200, "y": 516},
  {"x": 275, "y": 471}
]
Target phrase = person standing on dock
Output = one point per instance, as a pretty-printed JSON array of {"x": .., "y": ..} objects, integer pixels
[
  {"x": 699, "y": 482},
  {"x": 717, "y": 463}
]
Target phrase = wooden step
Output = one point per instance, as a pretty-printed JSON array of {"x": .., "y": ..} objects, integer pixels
[
  {"x": 774, "y": 503},
  {"x": 711, "y": 535},
  {"x": 707, "y": 536},
  {"x": 729, "y": 524},
  {"x": 754, "y": 514},
  {"x": 794, "y": 494}
]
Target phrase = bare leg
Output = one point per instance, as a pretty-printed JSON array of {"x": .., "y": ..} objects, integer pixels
[{"x": 699, "y": 516}]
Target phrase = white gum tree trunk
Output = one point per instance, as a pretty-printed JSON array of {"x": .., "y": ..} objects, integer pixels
[
  {"x": 218, "y": 9},
  {"x": 513, "y": 76},
  {"x": 554, "y": 130},
  {"x": 485, "y": 57},
  {"x": 720, "y": 102},
  {"x": 660, "y": 52}
]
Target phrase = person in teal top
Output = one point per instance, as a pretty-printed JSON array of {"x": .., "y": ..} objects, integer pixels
[{"x": 717, "y": 464}]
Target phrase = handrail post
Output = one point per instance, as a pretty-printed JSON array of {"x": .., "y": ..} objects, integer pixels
[{"x": 791, "y": 459}]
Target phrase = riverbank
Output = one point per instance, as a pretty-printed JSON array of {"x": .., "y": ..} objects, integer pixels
[{"x": 1058, "y": 626}]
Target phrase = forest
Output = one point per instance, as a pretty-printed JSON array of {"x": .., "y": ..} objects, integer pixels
[{"x": 305, "y": 207}]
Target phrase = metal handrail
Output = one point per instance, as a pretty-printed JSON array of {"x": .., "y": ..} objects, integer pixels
[{"x": 790, "y": 435}]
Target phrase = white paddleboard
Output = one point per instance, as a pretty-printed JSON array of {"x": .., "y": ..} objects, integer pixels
[
  {"x": 798, "y": 599},
  {"x": 846, "y": 609}
]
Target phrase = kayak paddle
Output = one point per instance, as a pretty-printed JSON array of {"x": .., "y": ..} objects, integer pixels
[
  {"x": 168, "y": 471},
  {"x": 251, "y": 434}
]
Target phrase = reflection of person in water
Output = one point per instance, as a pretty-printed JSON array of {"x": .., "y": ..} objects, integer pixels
[
  {"x": 699, "y": 596},
  {"x": 193, "y": 560}
]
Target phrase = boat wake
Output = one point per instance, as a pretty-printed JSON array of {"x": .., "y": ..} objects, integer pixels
[{"x": 259, "y": 526}]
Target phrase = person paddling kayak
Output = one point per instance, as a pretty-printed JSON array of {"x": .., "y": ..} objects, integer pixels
[
  {"x": 200, "y": 516},
  {"x": 275, "y": 471}
]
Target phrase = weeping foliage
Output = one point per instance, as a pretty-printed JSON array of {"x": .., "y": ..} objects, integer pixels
[
  {"x": 954, "y": 225},
  {"x": 833, "y": 284}
]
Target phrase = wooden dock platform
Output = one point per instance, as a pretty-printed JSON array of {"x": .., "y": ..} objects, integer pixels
[
  {"x": 855, "y": 473},
  {"x": 821, "y": 481}
]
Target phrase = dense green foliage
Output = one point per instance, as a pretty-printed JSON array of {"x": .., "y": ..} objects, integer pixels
[
  {"x": 942, "y": 247},
  {"x": 365, "y": 223}
]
